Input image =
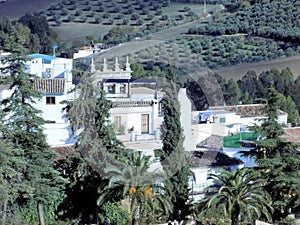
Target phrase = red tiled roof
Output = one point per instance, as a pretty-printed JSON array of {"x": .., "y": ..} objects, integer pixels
[
  {"x": 292, "y": 134},
  {"x": 64, "y": 151},
  {"x": 251, "y": 110}
]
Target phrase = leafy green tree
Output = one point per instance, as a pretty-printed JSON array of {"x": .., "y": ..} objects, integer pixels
[
  {"x": 240, "y": 195},
  {"x": 248, "y": 84},
  {"x": 173, "y": 158},
  {"x": 283, "y": 81},
  {"x": 277, "y": 160},
  {"x": 24, "y": 129},
  {"x": 119, "y": 34},
  {"x": 289, "y": 106},
  {"x": 40, "y": 27},
  {"x": 232, "y": 92},
  {"x": 80, "y": 203},
  {"x": 138, "y": 70},
  {"x": 295, "y": 94}
]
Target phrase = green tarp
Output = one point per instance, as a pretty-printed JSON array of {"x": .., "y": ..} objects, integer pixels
[{"x": 234, "y": 140}]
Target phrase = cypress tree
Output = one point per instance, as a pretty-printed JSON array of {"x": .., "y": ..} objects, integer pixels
[
  {"x": 24, "y": 129},
  {"x": 173, "y": 158}
]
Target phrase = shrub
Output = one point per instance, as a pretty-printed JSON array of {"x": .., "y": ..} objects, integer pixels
[{"x": 114, "y": 213}]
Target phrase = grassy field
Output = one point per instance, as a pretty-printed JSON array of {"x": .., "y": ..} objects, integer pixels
[
  {"x": 14, "y": 9},
  {"x": 79, "y": 31}
]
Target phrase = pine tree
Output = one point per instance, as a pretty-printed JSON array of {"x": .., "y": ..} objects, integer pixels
[
  {"x": 12, "y": 171},
  {"x": 24, "y": 129},
  {"x": 277, "y": 160},
  {"x": 232, "y": 92},
  {"x": 288, "y": 105},
  {"x": 174, "y": 159}
]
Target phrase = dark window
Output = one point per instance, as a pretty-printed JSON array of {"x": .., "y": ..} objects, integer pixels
[
  {"x": 50, "y": 100},
  {"x": 111, "y": 89},
  {"x": 122, "y": 89}
]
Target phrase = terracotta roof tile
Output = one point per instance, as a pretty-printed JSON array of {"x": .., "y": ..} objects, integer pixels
[
  {"x": 64, "y": 151},
  {"x": 245, "y": 110},
  {"x": 292, "y": 134},
  {"x": 50, "y": 86}
]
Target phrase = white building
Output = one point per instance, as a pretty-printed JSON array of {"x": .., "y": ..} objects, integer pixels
[
  {"x": 227, "y": 120},
  {"x": 55, "y": 82},
  {"x": 135, "y": 107},
  {"x": 86, "y": 51}
]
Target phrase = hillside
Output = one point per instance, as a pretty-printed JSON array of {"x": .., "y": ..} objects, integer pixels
[
  {"x": 226, "y": 43},
  {"x": 237, "y": 71},
  {"x": 14, "y": 9}
]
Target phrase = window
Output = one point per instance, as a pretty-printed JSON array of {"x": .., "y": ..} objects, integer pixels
[
  {"x": 117, "y": 122},
  {"x": 111, "y": 89},
  {"x": 122, "y": 89},
  {"x": 222, "y": 120},
  {"x": 50, "y": 100}
]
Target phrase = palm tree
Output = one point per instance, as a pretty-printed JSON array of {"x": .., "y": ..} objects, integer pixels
[
  {"x": 237, "y": 193},
  {"x": 142, "y": 185}
]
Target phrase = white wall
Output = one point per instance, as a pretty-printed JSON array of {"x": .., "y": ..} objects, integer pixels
[
  {"x": 131, "y": 117},
  {"x": 189, "y": 142},
  {"x": 201, "y": 132},
  {"x": 50, "y": 112},
  {"x": 58, "y": 134}
]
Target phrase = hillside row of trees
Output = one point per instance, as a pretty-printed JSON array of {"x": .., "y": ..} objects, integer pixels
[
  {"x": 231, "y": 50},
  {"x": 278, "y": 20},
  {"x": 127, "y": 12},
  {"x": 268, "y": 24},
  {"x": 206, "y": 1}
]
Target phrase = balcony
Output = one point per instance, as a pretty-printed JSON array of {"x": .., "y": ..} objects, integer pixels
[{"x": 131, "y": 104}]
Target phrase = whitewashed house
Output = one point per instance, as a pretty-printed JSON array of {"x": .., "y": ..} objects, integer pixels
[
  {"x": 227, "y": 120},
  {"x": 54, "y": 81},
  {"x": 135, "y": 106}
]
